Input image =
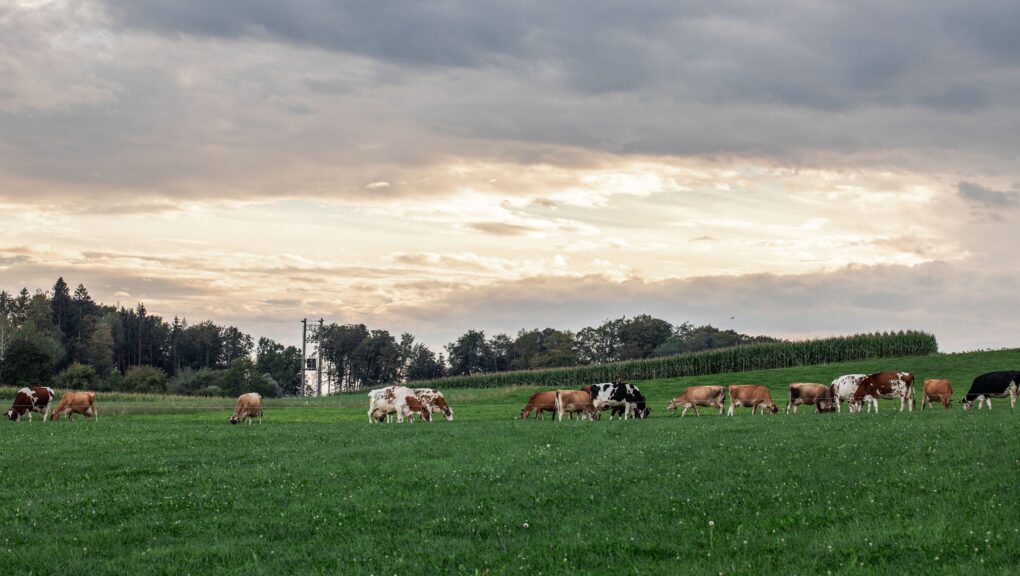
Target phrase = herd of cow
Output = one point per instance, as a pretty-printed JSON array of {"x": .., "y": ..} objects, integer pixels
[{"x": 626, "y": 400}]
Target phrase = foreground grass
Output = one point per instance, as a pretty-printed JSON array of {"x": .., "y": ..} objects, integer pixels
[{"x": 317, "y": 490}]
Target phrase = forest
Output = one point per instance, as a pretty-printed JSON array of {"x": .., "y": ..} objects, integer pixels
[{"x": 65, "y": 338}]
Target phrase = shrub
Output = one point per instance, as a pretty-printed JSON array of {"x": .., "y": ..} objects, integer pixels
[
  {"x": 77, "y": 377},
  {"x": 188, "y": 382},
  {"x": 145, "y": 379}
]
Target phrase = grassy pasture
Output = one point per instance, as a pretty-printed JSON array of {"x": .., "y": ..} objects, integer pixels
[{"x": 316, "y": 489}]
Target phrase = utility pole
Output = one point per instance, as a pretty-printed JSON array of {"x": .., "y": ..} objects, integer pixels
[
  {"x": 318, "y": 360},
  {"x": 304, "y": 353}
]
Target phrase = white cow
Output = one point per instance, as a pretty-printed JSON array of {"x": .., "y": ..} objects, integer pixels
[
  {"x": 395, "y": 399},
  {"x": 843, "y": 389}
]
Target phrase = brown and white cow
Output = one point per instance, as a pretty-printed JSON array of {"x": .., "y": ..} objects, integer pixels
[
  {"x": 435, "y": 401},
  {"x": 818, "y": 395},
  {"x": 889, "y": 385},
  {"x": 751, "y": 396},
  {"x": 694, "y": 396},
  {"x": 76, "y": 403},
  {"x": 575, "y": 402},
  {"x": 28, "y": 400},
  {"x": 540, "y": 403},
  {"x": 843, "y": 390},
  {"x": 395, "y": 399},
  {"x": 248, "y": 406},
  {"x": 937, "y": 390}
]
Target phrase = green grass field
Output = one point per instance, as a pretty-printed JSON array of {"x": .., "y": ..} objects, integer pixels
[{"x": 167, "y": 486}]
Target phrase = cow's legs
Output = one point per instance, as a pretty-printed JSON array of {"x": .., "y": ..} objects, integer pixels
[
  {"x": 903, "y": 402},
  {"x": 685, "y": 412},
  {"x": 754, "y": 409},
  {"x": 988, "y": 401},
  {"x": 730, "y": 411},
  {"x": 1012, "y": 397},
  {"x": 695, "y": 406},
  {"x": 874, "y": 402}
]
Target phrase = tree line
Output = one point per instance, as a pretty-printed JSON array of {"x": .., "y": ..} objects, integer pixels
[
  {"x": 357, "y": 357},
  {"x": 67, "y": 339}
]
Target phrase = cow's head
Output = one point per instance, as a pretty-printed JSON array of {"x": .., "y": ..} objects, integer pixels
[
  {"x": 642, "y": 412},
  {"x": 445, "y": 408},
  {"x": 672, "y": 405},
  {"x": 826, "y": 406},
  {"x": 771, "y": 407},
  {"x": 967, "y": 403},
  {"x": 234, "y": 419},
  {"x": 11, "y": 415}
]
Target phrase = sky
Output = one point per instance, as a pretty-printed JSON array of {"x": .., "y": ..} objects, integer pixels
[{"x": 796, "y": 168}]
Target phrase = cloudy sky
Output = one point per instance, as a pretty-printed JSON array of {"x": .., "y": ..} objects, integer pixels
[{"x": 807, "y": 168}]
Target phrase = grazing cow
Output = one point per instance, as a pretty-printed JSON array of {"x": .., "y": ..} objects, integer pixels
[
  {"x": 400, "y": 399},
  {"x": 751, "y": 396},
  {"x": 612, "y": 395},
  {"x": 76, "y": 403},
  {"x": 575, "y": 402},
  {"x": 817, "y": 394},
  {"x": 539, "y": 403},
  {"x": 248, "y": 406},
  {"x": 992, "y": 385},
  {"x": 28, "y": 400},
  {"x": 885, "y": 385},
  {"x": 843, "y": 389},
  {"x": 937, "y": 391},
  {"x": 695, "y": 396},
  {"x": 435, "y": 401}
]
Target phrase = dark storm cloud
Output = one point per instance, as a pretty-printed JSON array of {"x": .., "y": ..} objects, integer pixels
[
  {"x": 235, "y": 99},
  {"x": 988, "y": 198},
  {"x": 824, "y": 56}
]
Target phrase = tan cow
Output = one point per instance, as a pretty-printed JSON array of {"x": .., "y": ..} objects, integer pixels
[
  {"x": 76, "y": 403},
  {"x": 885, "y": 385},
  {"x": 539, "y": 403},
  {"x": 751, "y": 396},
  {"x": 248, "y": 406},
  {"x": 714, "y": 396},
  {"x": 937, "y": 391},
  {"x": 818, "y": 395},
  {"x": 575, "y": 402}
]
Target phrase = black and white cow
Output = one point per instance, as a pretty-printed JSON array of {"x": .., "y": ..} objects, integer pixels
[
  {"x": 992, "y": 385},
  {"x": 617, "y": 396}
]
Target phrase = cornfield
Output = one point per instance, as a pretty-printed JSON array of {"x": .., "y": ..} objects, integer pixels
[{"x": 736, "y": 359}]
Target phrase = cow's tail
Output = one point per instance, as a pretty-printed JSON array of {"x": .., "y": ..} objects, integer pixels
[{"x": 559, "y": 406}]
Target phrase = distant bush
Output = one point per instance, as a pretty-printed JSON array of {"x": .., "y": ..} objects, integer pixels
[
  {"x": 190, "y": 382},
  {"x": 211, "y": 391},
  {"x": 144, "y": 379},
  {"x": 77, "y": 377}
]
